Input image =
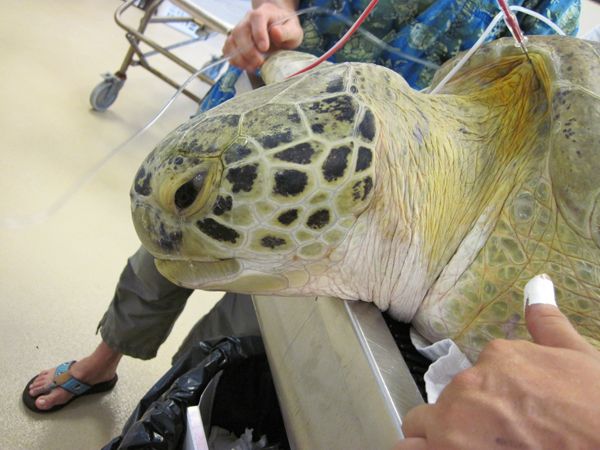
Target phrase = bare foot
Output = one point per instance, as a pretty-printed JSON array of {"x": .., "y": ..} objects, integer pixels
[{"x": 98, "y": 367}]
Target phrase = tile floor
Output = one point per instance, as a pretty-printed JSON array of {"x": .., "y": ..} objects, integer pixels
[{"x": 57, "y": 277}]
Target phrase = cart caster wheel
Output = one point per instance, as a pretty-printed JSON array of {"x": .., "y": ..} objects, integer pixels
[{"x": 106, "y": 92}]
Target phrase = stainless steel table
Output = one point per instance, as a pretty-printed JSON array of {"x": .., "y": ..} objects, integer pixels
[{"x": 340, "y": 378}]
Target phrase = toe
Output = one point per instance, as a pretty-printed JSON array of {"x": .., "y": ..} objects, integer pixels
[
  {"x": 37, "y": 390},
  {"x": 40, "y": 383},
  {"x": 56, "y": 397}
]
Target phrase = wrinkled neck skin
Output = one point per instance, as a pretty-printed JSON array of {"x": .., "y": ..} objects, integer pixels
[{"x": 440, "y": 173}]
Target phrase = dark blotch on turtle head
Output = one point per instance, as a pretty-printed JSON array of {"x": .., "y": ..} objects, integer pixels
[
  {"x": 222, "y": 205},
  {"x": 367, "y": 126},
  {"x": 231, "y": 120},
  {"x": 192, "y": 146},
  {"x": 290, "y": 182},
  {"x": 217, "y": 231},
  {"x": 288, "y": 217},
  {"x": 318, "y": 219},
  {"x": 317, "y": 128},
  {"x": 236, "y": 153},
  {"x": 275, "y": 139},
  {"x": 365, "y": 157},
  {"x": 336, "y": 163},
  {"x": 188, "y": 191},
  {"x": 362, "y": 188},
  {"x": 142, "y": 182},
  {"x": 168, "y": 240},
  {"x": 242, "y": 178},
  {"x": 272, "y": 242},
  {"x": 340, "y": 108},
  {"x": 336, "y": 85},
  {"x": 213, "y": 138},
  {"x": 294, "y": 117},
  {"x": 299, "y": 154}
]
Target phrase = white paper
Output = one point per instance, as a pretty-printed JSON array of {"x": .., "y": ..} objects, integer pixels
[{"x": 447, "y": 359}]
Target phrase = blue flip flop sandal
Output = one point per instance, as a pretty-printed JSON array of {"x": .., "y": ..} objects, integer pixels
[{"x": 63, "y": 379}]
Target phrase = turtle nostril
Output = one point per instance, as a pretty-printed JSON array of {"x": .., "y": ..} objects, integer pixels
[{"x": 187, "y": 192}]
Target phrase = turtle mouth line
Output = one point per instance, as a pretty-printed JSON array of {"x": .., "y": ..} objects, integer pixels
[{"x": 197, "y": 274}]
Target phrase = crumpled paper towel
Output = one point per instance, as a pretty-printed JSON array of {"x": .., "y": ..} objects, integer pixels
[{"x": 447, "y": 359}]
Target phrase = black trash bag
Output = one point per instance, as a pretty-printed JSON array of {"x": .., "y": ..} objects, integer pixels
[
  {"x": 245, "y": 398},
  {"x": 158, "y": 422}
]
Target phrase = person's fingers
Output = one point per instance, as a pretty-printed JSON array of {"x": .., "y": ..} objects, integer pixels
[
  {"x": 539, "y": 290},
  {"x": 411, "y": 444},
  {"x": 414, "y": 424},
  {"x": 549, "y": 327},
  {"x": 286, "y": 35},
  {"x": 546, "y": 324},
  {"x": 229, "y": 46},
  {"x": 260, "y": 32},
  {"x": 249, "y": 61},
  {"x": 240, "y": 47}
]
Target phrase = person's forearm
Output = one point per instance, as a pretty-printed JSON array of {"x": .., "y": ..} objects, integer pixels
[{"x": 289, "y": 4}]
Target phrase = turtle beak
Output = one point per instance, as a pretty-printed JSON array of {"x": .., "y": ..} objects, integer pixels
[
  {"x": 196, "y": 274},
  {"x": 227, "y": 274},
  {"x": 159, "y": 238}
]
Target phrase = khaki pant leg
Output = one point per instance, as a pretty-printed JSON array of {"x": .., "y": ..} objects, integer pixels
[
  {"x": 233, "y": 315},
  {"x": 143, "y": 310}
]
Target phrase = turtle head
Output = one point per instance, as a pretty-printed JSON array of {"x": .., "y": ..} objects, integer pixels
[{"x": 254, "y": 196}]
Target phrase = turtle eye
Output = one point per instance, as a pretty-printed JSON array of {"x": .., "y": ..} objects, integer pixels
[{"x": 188, "y": 192}]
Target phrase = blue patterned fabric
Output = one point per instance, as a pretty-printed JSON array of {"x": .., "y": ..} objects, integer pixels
[{"x": 431, "y": 30}]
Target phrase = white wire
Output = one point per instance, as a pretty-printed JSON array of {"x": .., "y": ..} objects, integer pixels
[
  {"x": 468, "y": 55},
  {"x": 62, "y": 200},
  {"x": 56, "y": 205},
  {"x": 538, "y": 16},
  {"x": 484, "y": 36},
  {"x": 379, "y": 42}
]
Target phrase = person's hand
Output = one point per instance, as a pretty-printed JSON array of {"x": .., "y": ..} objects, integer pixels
[
  {"x": 519, "y": 395},
  {"x": 263, "y": 29}
]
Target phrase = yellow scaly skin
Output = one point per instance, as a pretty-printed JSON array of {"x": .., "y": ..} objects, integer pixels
[{"x": 548, "y": 222}]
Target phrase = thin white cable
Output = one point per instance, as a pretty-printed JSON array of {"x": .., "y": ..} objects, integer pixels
[
  {"x": 484, "y": 36},
  {"x": 468, "y": 55},
  {"x": 379, "y": 42},
  {"x": 62, "y": 200},
  {"x": 539, "y": 17},
  {"x": 40, "y": 216},
  {"x": 56, "y": 205}
]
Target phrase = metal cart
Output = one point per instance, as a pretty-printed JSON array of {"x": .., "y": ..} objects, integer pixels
[{"x": 205, "y": 24}]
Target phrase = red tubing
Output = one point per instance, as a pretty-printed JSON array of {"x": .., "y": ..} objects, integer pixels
[
  {"x": 339, "y": 44},
  {"x": 511, "y": 21}
]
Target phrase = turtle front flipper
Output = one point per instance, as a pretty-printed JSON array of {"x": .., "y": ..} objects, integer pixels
[{"x": 549, "y": 223}]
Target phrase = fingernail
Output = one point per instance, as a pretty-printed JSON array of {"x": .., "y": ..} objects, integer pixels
[{"x": 539, "y": 290}]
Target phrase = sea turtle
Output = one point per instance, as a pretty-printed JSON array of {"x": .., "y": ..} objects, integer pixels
[{"x": 346, "y": 182}]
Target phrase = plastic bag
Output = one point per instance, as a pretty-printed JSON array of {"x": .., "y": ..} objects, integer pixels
[{"x": 158, "y": 422}]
